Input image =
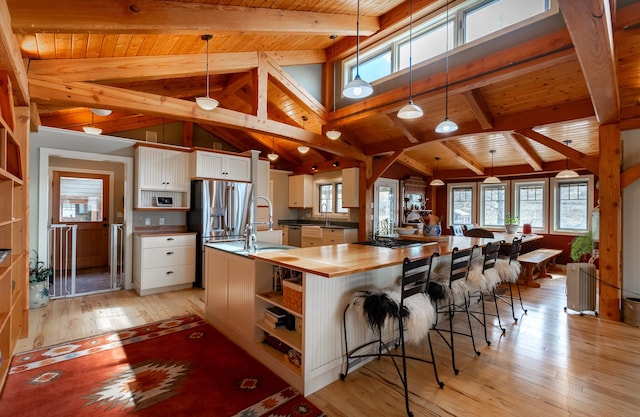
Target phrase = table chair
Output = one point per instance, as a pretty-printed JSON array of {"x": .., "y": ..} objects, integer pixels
[
  {"x": 478, "y": 232},
  {"x": 509, "y": 272},
  {"x": 409, "y": 309},
  {"x": 448, "y": 303}
]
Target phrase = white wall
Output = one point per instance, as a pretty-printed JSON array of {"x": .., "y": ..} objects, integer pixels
[{"x": 630, "y": 218}]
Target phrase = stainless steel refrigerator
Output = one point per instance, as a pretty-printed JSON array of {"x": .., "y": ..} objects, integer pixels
[{"x": 219, "y": 211}]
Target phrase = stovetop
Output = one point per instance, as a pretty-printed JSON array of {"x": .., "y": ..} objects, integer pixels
[{"x": 393, "y": 243}]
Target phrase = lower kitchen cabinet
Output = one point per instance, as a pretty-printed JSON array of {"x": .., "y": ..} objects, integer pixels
[
  {"x": 163, "y": 262},
  {"x": 320, "y": 236}
]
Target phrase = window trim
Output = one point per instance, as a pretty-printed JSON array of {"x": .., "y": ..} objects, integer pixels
[
  {"x": 553, "y": 229},
  {"x": 474, "y": 203},
  {"x": 515, "y": 184},
  {"x": 507, "y": 203},
  {"x": 315, "y": 210}
]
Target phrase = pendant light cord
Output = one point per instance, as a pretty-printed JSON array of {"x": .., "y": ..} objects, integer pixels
[
  {"x": 358, "y": 40},
  {"x": 334, "y": 76},
  {"x": 446, "y": 60},
  {"x": 411, "y": 51},
  {"x": 207, "y": 67}
]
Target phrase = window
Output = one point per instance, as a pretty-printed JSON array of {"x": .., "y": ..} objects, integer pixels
[
  {"x": 493, "y": 204},
  {"x": 530, "y": 203},
  {"x": 461, "y": 207},
  {"x": 475, "y": 18},
  {"x": 385, "y": 207},
  {"x": 493, "y": 15},
  {"x": 80, "y": 199},
  {"x": 572, "y": 204},
  {"x": 329, "y": 199}
]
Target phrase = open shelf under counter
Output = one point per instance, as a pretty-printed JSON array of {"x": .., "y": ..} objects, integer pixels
[
  {"x": 280, "y": 358},
  {"x": 276, "y": 298},
  {"x": 291, "y": 338}
]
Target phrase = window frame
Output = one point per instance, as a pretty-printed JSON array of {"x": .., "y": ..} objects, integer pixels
[
  {"x": 555, "y": 211},
  {"x": 515, "y": 186},
  {"x": 474, "y": 203},
  {"x": 507, "y": 204},
  {"x": 333, "y": 213}
]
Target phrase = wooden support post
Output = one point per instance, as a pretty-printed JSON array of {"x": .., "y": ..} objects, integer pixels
[{"x": 610, "y": 222}]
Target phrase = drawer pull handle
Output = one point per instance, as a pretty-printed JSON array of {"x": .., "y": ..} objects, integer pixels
[
  {"x": 170, "y": 253},
  {"x": 169, "y": 239},
  {"x": 169, "y": 272}
]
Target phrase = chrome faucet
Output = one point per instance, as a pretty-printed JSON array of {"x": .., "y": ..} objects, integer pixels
[
  {"x": 250, "y": 240},
  {"x": 326, "y": 213}
]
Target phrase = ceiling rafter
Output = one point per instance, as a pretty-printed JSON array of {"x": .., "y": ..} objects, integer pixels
[
  {"x": 464, "y": 157},
  {"x": 589, "y": 23},
  {"x": 414, "y": 164},
  {"x": 10, "y": 57},
  {"x": 588, "y": 162},
  {"x": 140, "y": 68},
  {"x": 91, "y": 95},
  {"x": 64, "y": 16},
  {"x": 479, "y": 108},
  {"x": 525, "y": 149}
]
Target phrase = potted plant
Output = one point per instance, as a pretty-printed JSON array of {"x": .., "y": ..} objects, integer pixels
[
  {"x": 582, "y": 248},
  {"x": 39, "y": 275},
  {"x": 511, "y": 223}
]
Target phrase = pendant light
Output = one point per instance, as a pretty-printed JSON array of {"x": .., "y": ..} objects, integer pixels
[
  {"x": 101, "y": 112},
  {"x": 357, "y": 88},
  {"x": 302, "y": 148},
  {"x": 207, "y": 103},
  {"x": 567, "y": 173},
  {"x": 273, "y": 155},
  {"x": 92, "y": 130},
  {"x": 446, "y": 126},
  {"x": 410, "y": 110},
  {"x": 333, "y": 133},
  {"x": 436, "y": 182},
  {"x": 492, "y": 179}
]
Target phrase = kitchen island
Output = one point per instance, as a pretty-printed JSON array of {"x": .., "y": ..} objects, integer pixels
[{"x": 240, "y": 288}]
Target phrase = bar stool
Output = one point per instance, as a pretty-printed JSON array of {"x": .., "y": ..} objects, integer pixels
[
  {"x": 483, "y": 279},
  {"x": 453, "y": 299},
  {"x": 409, "y": 308},
  {"x": 509, "y": 271}
]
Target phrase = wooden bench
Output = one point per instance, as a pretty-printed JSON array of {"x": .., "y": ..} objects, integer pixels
[{"x": 537, "y": 259}]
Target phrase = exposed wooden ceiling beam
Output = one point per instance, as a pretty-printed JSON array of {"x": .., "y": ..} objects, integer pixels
[
  {"x": 463, "y": 157},
  {"x": 404, "y": 127},
  {"x": 163, "y": 67},
  {"x": 11, "y": 58},
  {"x": 91, "y": 95},
  {"x": 170, "y": 17},
  {"x": 588, "y": 162},
  {"x": 589, "y": 23},
  {"x": 414, "y": 164},
  {"x": 526, "y": 150},
  {"x": 479, "y": 107}
]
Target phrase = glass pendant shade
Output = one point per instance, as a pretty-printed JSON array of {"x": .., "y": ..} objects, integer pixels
[
  {"x": 436, "y": 182},
  {"x": 92, "y": 130},
  {"x": 303, "y": 149},
  {"x": 491, "y": 180},
  {"x": 357, "y": 88},
  {"x": 567, "y": 173},
  {"x": 333, "y": 134},
  {"x": 101, "y": 112},
  {"x": 410, "y": 111},
  {"x": 446, "y": 126},
  {"x": 207, "y": 103},
  {"x": 272, "y": 156}
]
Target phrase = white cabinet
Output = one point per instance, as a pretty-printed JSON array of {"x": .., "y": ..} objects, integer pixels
[
  {"x": 230, "y": 291},
  {"x": 263, "y": 188},
  {"x": 216, "y": 165},
  {"x": 161, "y": 172},
  {"x": 350, "y": 187},
  {"x": 164, "y": 262},
  {"x": 301, "y": 191}
]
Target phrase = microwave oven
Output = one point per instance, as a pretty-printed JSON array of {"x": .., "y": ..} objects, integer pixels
[{"x": 163, "y": 201}]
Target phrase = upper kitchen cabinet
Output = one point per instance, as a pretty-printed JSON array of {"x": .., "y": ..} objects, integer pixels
[
  {"x": 300, "y": 191},
  {"x": 350, "y": 187},
  {"x": 220, "y": 166},
  {"x": 161, "y": 172}
]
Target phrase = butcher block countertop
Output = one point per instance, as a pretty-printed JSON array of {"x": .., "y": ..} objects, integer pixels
[{"x": 348, "y": 258}]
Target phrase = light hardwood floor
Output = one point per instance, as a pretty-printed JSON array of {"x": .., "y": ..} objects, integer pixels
[{"x": 550, "y": 364}]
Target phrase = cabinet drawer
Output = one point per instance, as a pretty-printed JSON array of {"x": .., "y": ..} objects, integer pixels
[
  {"x": 168, "y": 241},
  {"x": 168, "y": 275},
  {"x": 312, "y": 232},
  {"x": 160, "y": 257}
]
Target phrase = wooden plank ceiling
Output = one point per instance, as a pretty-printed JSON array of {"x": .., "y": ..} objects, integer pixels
[{"x": 145, "y": 61}]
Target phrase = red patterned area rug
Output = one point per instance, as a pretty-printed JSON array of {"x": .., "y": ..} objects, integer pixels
[{"x": 178, "y": 367}]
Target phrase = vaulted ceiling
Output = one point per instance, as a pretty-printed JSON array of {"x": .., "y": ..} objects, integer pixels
[{"x": 521, "y": 94}]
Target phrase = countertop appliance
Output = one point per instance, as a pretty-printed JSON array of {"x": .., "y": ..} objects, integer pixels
[{"x": 219, "y": 212}]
